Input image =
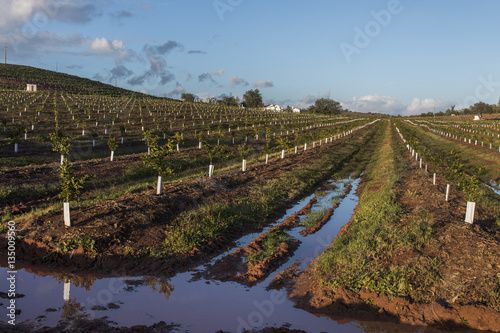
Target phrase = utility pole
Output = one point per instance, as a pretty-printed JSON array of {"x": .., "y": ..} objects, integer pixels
[{"x": 6, "y": 53}]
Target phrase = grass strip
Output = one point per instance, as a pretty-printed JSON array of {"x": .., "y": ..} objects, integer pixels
[{"x": 353, "y": 260}]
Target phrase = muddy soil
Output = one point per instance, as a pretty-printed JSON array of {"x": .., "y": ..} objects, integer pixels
[
  {"x": 140, "y": 220},
  {"x": 469, "y": 257},
  {"x": 235, "y": 267}
]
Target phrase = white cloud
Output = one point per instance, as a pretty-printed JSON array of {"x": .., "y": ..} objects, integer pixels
[
  {"x": 101, "y": 45},
  {"x": 419, "y": 106},
  {"x": 117, "y": 44},
  {"x": 392, "y": 106},
  {"x": 238, "y": 81},
  {"x": 263, "y": 84},
  {"x": 308, "y": 100},
  {"x": 36, "y": 13},
  {"x": 177, "y": 92},
  {"x": 208, "y": 77},
  {"x": 47, "y": 42},
  {"x": 220, "y": 72},
  {"x": 204, "y": 96},
  {"x": 114, "y": 48},
  {"x": 374, "y": 103}
]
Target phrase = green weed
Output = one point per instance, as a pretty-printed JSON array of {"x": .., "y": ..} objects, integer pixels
[
  {"x": 269, "y": 246},
  {"x": 71, "y": 244},
  {"x": 313, "y": 217}
]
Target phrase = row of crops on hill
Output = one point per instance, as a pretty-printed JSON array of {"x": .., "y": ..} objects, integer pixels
[
  {"x": 16, "y": 77},
  {"x": 85, "y": 119}
]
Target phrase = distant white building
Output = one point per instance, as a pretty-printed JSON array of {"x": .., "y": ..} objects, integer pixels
[
  {"x": 477, "y": 118},
  {"x": 273, "y": 107},
  {"x": 295, "y": 110},
  {"x": 31, "y": 87}
]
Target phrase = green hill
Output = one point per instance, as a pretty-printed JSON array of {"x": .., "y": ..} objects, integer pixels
[{"x": 16, "y": 77}]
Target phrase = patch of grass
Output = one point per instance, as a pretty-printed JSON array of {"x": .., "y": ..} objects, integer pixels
[
  {"x": 270, "y": 245},
  {"x": 313, "y": 217},
  {"x": 335, "y": 199},
  {"x": 27, "y": 191},
  {"x": 18, "y": 161},
  {"x": 419, "y": 233},
  {"x": 71, "y": 244},
  {"x": 8, "y": 215},
  {"x": 375, "y": 232},
  {"x": 3, "y": 228},
  {"x": 139, "y": 172},
  {"x": 195, "y": 228}
]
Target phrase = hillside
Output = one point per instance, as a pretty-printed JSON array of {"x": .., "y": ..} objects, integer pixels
[{"x": 17, "y": 76}]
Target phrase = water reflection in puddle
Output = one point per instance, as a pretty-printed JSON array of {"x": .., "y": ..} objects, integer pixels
[{"x": 198, "y": 306}]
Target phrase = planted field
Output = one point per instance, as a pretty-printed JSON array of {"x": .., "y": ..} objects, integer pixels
[{"x": 115, "y": 198}]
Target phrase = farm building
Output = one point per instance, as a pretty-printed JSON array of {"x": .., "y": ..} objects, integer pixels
[
  {"x": 274, "y": 107},
  {"x": 31, "y": 87}
]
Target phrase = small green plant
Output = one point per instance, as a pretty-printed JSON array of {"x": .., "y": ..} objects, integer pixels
[
  {"x": 244, "y": 151},
  {"x": 455, "y": 169},
  {"x": 94, "y": 135},
  {"x": 411, "y": 193},
  {"x": 123, "y": 130},
  {"x": 471, "y": 185},
  {"x": 419, "y": 233},
  {"x": 215, "y": 152},
  {"x": 15, "y": 136},
  {"x": 283, "y": 142},
  {"x": 150, "y": 139},
  {"x": 3, "y": 228},
  {"x": 269, "y": 246},
  {"x": 157, "y": 157},
  {"x": 71, "y": 185},
  {"x": 313, "y": 217},
  {"x": 71, "y": 244},
  {"x": 179, "y": 138},
  {"x": 267, "y": 146},
  {"x": 112, "y": 144},
  {"x": 297, "y": 139},
  {"x": 200, "y": 136},
  {"x": 60, "y": 143}
]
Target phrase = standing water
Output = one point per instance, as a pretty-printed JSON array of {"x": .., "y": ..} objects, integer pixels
[{"x": 197, "y": 305}]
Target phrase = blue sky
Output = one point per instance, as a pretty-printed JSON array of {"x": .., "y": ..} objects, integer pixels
[{"x": 393, "y": 56}]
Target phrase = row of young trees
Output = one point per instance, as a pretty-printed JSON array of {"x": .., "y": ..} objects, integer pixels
[
  {"x": 71, "y": 116},
  {"x": 465, "y": 134},
  {"x": 450, "y": 167},
  {"x": 157, "y": 159}
]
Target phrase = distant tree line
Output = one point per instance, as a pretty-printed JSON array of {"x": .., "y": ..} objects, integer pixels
[
  {"x": 326, "y": 106},
  {"x": 253, "y": 99},
  {"x": 479, "y": 109}
]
